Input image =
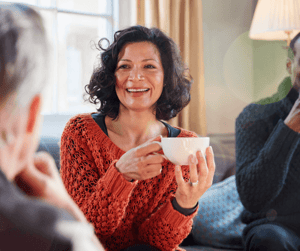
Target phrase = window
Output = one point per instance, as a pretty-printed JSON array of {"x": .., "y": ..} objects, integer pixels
[{"x": 74, "y": 27}]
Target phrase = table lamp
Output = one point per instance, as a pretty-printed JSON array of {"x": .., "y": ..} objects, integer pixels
[{"x": 276, "y": 20}]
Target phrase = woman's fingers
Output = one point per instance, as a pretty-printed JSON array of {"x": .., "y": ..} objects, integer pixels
[
  {"x": 147, "y": 149},
  {"x": 158, "y": 138},
  {"x": 152, "y": 171},
  {"x": 152, "y": 145},
  {"x": 211, "y": 165},
  {"x": 193, "y": 168},
  {"x": 187, "y": 195},
  {"x": 178, "y": 175},
  {"x": 154, "y": 159},
  {"x": 202, "y": 167}
]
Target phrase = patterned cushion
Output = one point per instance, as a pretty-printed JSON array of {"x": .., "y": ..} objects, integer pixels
[{"x": 218, "y": 222}]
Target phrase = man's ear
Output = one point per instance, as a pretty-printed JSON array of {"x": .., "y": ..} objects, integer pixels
[
  {"x": 289, "y": 66},
  {"x": 34, "y": 112}
]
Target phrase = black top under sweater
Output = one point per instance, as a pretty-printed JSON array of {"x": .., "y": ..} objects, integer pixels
[
  {"x": 172, "y": 132},
  {"x": 268, "y": 165}
]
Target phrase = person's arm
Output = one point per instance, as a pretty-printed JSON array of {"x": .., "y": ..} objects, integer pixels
[
  {"x": 101, "y": 194},
  {"x": 166, "y": 228},
  {"x": 169, "y": 224},
  {"x": 184, "y": 211},
  {"x": 263, "y": 155},
  {"x": 41, "y": 181}
]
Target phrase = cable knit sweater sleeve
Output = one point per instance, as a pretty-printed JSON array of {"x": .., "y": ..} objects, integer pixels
[
  {"x": 264, "y": 149},
  {"x": 103, "y": 199},
  {"x": 166, "y": 228}
]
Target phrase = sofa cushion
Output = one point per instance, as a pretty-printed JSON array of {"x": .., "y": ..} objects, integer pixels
[
  {"x": 224, "y": 151},
  {"x": 218, "y": 223}
]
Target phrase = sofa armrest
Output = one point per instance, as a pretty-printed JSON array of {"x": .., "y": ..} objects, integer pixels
[
  {"x": 224, "y": 151},
  {"x": 51, "y": 145}
]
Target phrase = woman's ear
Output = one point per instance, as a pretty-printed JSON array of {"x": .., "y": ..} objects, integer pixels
[
  {"x": 289, "y": 66},
  {"x": 34, "y": 113}
]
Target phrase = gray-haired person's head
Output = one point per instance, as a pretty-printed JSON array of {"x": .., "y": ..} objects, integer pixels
[{"x": 24, "y": 52}]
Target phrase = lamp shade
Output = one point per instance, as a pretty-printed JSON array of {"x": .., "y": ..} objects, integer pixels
[{"x": 273, "y": 17}]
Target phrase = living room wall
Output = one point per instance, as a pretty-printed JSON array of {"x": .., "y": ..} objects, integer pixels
[
  {"x": 269, "y": 61},
  {"x": 238, "y": 70}
]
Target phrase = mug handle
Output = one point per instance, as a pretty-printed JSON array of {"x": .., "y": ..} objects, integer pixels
[{"x": 155, "y": 153}]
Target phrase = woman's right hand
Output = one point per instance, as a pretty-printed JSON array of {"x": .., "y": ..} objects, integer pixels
[{"x": 142, "y": 162}]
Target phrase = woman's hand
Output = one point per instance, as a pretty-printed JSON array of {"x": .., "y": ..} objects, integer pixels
[
  {"x": 201, "y": 178},
  {"x": 142, "y": 162}
]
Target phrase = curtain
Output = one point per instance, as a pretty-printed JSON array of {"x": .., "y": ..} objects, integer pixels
[{"x": 182, "y": 21}]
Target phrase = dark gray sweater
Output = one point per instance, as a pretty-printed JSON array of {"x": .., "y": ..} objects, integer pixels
[
  {"x": 268, "y": 165},
  {"x": 29, "y": 224}
]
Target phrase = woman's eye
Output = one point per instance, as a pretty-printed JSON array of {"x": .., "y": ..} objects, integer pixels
[
  {"x": 149, "y": 66},
  {"x": 124, "y": 66}
]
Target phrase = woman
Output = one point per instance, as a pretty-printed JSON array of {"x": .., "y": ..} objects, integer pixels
[
  {"x": 30, "y": 223},
  {"x": 111, "y": 165}
]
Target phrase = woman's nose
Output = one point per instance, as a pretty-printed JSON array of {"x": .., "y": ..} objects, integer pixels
[{"x": 136, "y": 74}]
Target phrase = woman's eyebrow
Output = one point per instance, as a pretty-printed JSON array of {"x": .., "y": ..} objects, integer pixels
[{"x": 148, "y": 59}]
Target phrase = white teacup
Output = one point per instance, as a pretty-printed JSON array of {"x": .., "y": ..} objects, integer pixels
[{"x": 178, "y": 149}]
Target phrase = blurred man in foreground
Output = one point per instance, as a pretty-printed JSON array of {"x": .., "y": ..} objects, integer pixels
[{"x": 29, "y": 222}]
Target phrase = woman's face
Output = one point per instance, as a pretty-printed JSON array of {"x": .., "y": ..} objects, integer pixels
[{"x": 139, "y": 76}]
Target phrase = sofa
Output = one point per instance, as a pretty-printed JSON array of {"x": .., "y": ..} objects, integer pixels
[
  {"x": 223, "y": 147},
  {"x": 224, "y": 151}
]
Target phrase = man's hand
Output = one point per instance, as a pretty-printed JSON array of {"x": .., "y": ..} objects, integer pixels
[
  {"x": 293, "y": 119},
  {"x": 42, "y": 180}
]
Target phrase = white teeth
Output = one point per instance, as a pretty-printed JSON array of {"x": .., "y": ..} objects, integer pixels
[{"x": 137, "y": 90}]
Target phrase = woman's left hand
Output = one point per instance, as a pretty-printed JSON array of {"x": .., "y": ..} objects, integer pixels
[{"x": 201, "y": 178}]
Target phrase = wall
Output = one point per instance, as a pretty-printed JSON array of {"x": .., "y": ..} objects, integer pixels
[
  {"x": 269, "y": 61},
  {"x": 238, "y": 70},
  {"x": 228, "y": 60},
  {"x": 126, "y": 18}
]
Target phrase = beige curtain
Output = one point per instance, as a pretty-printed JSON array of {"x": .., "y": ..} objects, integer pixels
[{"x": 182, "y": 21}]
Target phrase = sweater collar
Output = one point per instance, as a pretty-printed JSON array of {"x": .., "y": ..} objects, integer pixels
[
  {"x": 289, "y": 100},
  {"x": 293, "y": 95}
]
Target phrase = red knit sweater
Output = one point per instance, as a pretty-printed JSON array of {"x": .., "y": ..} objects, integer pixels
[{"x": 123, "y": 213}]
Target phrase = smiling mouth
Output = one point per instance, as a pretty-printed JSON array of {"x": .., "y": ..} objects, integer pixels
[{"x": 137, "y": 90}]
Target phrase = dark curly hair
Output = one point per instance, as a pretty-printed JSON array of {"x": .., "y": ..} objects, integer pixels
[{"x": 177, "y": 81}]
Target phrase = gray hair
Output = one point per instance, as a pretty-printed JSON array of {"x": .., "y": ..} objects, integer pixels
[{"x": 24, "y": 52}]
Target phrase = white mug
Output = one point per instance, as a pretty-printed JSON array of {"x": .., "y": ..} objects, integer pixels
[{"x": 177, "y": 150}]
